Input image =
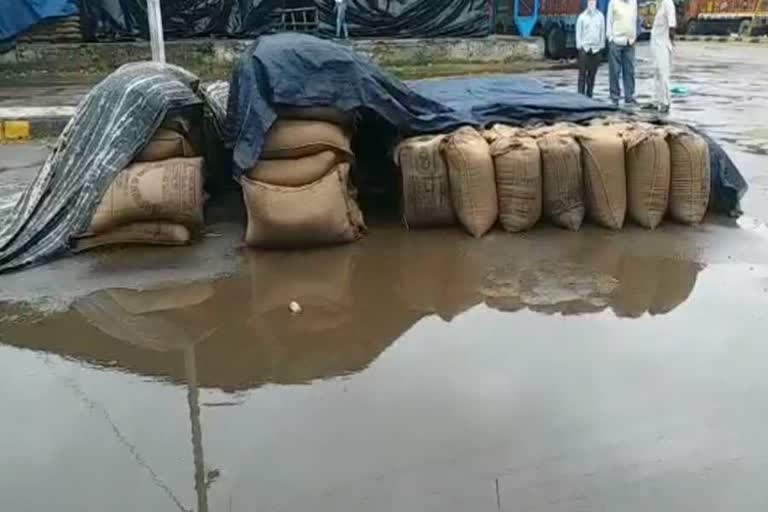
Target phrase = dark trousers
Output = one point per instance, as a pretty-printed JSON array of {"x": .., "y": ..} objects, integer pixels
[
  {"x": 621, "y": 63},
  {"x": 341, "y": 20},
  {"x": 588, "y": 64}
]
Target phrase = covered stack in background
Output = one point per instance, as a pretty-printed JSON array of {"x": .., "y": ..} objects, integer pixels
[{"x": 300, "y": 193}]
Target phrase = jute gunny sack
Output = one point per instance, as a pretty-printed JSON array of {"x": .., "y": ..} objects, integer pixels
[
  {"x": 648, "y": 174},
  {"x": 690, "y": 176},
  {"x": 169, "y": 190},
  {"x": 136, "y": 233},
  {"x": 323, "y": 212},
  {"x": 517, "y": 161},
  {"x": 605, "y": 178},
  {"x": 294, "y": 138},
  {"x": 473, "y": 183},
  {"x": 166, "y": 144},
  {"x": 295, "y": 172},
  {"x": 562, "y": 185},
  {"x": 426, "y": 186}
]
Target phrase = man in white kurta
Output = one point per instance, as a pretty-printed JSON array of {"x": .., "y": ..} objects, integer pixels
[{"x": 662, "y": 37}]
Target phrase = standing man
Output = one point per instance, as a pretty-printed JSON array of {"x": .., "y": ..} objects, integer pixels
[
  {"x": 662, "y": 38},
  {"x": 341, "y": 19},
  {"x": 590, "y": 41},
  {"x": 622, "y": 34}
]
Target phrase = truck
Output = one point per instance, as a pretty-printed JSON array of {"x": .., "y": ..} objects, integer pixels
[
  {"x": 646, "y": 12},
  {"x": 725, "y": 17},
  {"x": 554, "y": 20}
]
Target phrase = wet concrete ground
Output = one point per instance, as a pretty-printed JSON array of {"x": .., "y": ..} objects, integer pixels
[{"x": 549, "y": 371}]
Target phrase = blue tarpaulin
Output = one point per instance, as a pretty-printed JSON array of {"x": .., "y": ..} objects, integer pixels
[
  {"x": 303, "y": 71},
  {"x": 17, "y": 16}
]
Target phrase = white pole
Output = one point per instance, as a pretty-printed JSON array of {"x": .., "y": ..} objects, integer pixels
[{"x": 156, "y": 30}]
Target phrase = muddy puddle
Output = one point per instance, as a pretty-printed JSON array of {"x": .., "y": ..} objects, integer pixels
[{"x": 426, "y": 371}]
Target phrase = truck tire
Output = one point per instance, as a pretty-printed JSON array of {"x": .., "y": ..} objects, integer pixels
[
  {"x": 555, "y": 43},
  {"x": 745, "y": 28}
]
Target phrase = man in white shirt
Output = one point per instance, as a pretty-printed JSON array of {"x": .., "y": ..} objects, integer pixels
[
  {"x": 662, "y": 37},
  {"x": 341, "y": 19},
  {"x": 590, "y": 41},
  {"x": 622, "y": 34}
]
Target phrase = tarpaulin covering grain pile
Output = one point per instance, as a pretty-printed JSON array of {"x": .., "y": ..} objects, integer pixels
[
  {"x": 409, "y": 18},
  {"x": 303, "y": 71},
  {"x": 112, "y": 124},
  {"x": 107, "y": 20}
]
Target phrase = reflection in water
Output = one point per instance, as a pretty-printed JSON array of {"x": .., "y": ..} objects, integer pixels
[
  {"x": 629, "y": 285},
  {"x": 238, "y": 333},
  {"x": 356, "y": 301},
  {"x": 127, "y": 315},
  {"x": 193, "y": 401}
]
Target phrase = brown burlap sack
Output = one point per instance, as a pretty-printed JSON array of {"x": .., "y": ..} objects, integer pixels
[
  {"x": 426, "y": 186},
  {"x": 563, "y": 200},
  {"x": 690, "y": 176},
  {"x": 322, "y": 212},
  {"x": 166, "y": 144},
  {"x": 170, "y": 191},
  {"x": 605, "y": 179},
  {"x": 540, "y": 130},
  {"x": 295, "y": 172},
  {"x": 611, "y": 121},
  {"x": 327, "y": 114},
  {"x": 518, "y": 182},
  {"x": 648, "y": 175},
  {"x": 140, "y": 302},
  {"x": 137, "y": 233},
  {"x": 294, "y": 138},
  {"x": 473, "y": 184},
  {"x": 500, "y": 131}
]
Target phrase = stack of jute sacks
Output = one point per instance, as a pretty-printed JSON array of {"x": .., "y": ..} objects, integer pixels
[
  {"x": 300, "y": 192},
  {"x": 564, "y": 173},
  {"x": 156, "y": 200}
]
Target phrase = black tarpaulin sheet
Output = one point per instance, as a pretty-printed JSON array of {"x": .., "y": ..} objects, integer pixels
[
  {"x": 108, "y": 20},
  {"x": 409, "y": 18},
  {"x": 111, "y": 125},
  {"x": 304, "y": 71}
]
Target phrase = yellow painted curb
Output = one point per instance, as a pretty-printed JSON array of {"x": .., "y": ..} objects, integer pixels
[{"x": 16, "y": 130}]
